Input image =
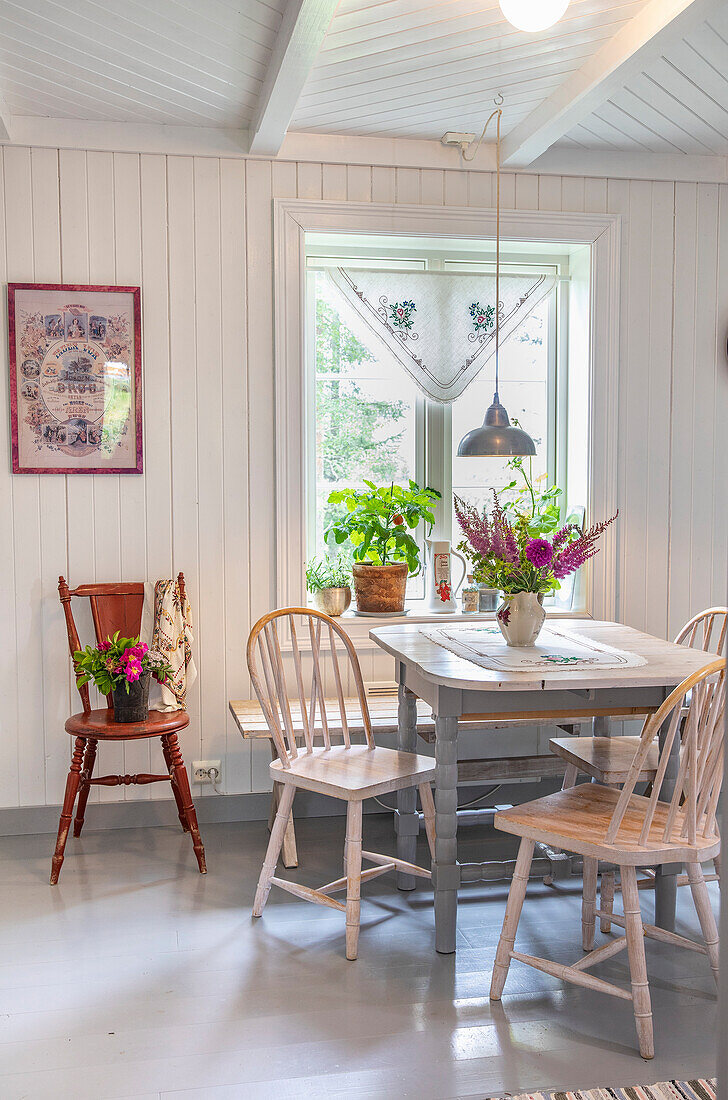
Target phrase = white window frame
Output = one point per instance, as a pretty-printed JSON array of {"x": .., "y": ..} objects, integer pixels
[
  {"x": 293, "y": 218},
  {"x": 433, "y": 419}
]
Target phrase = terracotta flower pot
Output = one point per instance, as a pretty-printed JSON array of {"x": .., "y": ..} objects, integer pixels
[
  {"x": 132, "y": 706},
  {"x": 380, "y": 588}
]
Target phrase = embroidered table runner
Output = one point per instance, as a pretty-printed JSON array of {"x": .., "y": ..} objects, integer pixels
[{"x": 486, "y": 646}]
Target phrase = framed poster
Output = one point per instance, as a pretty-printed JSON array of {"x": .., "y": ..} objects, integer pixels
[{"x": 75, "y": 379}]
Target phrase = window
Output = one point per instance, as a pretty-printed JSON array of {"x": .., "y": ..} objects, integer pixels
[{"x": 366, "y": 418}]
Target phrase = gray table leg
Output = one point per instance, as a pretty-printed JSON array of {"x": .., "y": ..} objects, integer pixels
[
  {"x": 666, "y": 880},
  {"x": 406, "y": 819},
  {"x": 445, "y": 869},
  {"x": 601, "y": 726}
]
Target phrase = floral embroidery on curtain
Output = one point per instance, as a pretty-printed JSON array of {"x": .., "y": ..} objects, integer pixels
[{"x": 440, "y": 326}]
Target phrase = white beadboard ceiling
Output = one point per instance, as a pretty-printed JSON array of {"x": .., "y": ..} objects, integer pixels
[
  {"x": 613, "y": 75},
  {"x": 182, "y": 62},
  {"x": 678, "y": 104},
  {"x": 415, "y": 68}
]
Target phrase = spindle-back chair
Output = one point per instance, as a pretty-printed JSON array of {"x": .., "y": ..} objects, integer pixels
[
  {"x": 630, "y": 831},
  {"x": 318, "y": 753},
  {"x": 608, "y": 759},
  {"x": 118, "y": 607}
]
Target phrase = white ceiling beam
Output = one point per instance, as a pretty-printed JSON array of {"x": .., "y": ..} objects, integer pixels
[
  {"x": 637, "y": 43},
  {"x": 297, "y": 44},
  {"x": 5, "y": 120}
]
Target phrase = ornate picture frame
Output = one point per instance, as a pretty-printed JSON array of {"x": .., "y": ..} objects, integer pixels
[{"x": 75, "y": 378}]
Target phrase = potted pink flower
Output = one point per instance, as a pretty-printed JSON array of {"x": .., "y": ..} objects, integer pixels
[
  {"x": 122, "y": 668},
  {"x": 524, "y": 568}
]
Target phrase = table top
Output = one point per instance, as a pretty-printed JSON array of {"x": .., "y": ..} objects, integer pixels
[{"x": 667, "y": 664}]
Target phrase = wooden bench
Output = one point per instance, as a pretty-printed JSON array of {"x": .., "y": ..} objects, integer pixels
[{"x": 383, "y": 712}]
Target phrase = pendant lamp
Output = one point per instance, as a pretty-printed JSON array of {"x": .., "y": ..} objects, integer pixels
[
  {"x": 533, "y": 15},
  {"x": 496, "y": 437}
]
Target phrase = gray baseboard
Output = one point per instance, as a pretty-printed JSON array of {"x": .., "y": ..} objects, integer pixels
[{"x": 21, "y": 820}]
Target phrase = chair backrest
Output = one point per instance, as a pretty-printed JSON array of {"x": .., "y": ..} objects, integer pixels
[
  {"x": 706, "y": 630},
  {"x": 693, "y": 805},
  {"x": 113, "y": 607},
  {"x": 305, "y": 708}
]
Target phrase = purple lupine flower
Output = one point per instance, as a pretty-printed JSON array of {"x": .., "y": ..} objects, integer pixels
[
  {"x": 539, "y": 552},
  {"x": 475, "y": 527},
  {"x": 563, "y": 535},
  {"x": 509, "y": 542}
]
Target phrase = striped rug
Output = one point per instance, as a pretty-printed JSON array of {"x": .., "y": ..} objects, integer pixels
[{"x": 703, "y": 1089}]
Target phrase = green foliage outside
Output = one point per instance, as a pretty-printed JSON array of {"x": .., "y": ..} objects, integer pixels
[{"x": 357, "y": 437}]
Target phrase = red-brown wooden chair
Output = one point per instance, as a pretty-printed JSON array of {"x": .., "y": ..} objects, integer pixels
[{"x": 118, "y": 607}]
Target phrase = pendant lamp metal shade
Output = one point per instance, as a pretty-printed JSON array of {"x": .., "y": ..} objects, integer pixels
[{"x": 496, "y": 437}]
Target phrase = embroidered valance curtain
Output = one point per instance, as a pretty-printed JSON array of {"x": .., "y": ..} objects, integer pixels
[{"x": 440, "y": 326}]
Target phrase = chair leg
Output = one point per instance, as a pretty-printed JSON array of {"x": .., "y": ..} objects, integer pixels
[
  {"x": 637, "y": 962},
  {"x": 179, "y": 777},
  {"x": 173, "y": 783},
  {"x": 606, "y": 900},
  {"x": 588, "y": 903},
  {"x": 353, "y": 877},
  {"x": 514, "y": 905},
  {"x": 69, "y": 798},
  {"x": 705, "y": 914},
  {"x": 85, "y": 785},
  {"x": 570, "y": 777},
  {"x": 273, "y": 850},
  {"x": 428, "y": 809},
  {"x": 716, "y": 864}
]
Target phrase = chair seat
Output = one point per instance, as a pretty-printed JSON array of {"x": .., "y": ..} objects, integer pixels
[
  {"x": 578, "y": 819},
  {"x": 100, "y": 725},
  {"x": 355, "y": 773},
  {"x": 606, "y": 759}
]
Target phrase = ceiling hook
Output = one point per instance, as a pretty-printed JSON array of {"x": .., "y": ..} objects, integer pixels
[{"x": 498, "y": 100}]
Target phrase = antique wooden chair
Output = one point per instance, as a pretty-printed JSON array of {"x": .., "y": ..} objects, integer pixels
[
  {"x": 631, "y": 831},
  {"x": 118, "y": 607},
  {"x": 347, "y": 771},
  {"x": 608, "y": 759}
]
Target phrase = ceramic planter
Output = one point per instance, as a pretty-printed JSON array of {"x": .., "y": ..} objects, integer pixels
[
  {"x": 520, "y": 618},
  {"x": 332, "y": 601},
  {"x": 132, "y": 706},
  {"x": 380, "y": 588}
]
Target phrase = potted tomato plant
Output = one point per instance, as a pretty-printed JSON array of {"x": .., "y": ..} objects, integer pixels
[{"x": 378, "y": 522}]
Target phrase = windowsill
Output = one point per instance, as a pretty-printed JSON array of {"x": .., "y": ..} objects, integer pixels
[{"x": 413, "y": 615}]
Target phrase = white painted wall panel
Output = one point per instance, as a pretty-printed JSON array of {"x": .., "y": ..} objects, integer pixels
[{"x": 197, "y": 235}]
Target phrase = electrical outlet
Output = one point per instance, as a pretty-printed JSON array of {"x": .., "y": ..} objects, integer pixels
[{"x": 203, "y": 771}]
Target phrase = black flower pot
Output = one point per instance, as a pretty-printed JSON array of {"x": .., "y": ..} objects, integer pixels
[{"x": 132, "y": 705}]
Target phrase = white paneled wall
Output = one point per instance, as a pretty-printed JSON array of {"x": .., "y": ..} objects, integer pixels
[{"x": 196, "y": 234}]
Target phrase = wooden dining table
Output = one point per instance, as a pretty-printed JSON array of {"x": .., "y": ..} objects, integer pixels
[{"x": 458, "y": 688}]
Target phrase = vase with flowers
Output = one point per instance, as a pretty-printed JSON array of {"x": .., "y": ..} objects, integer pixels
[
  {"x": 523, "y": 567},
  {"x": 122, "y": 668}
]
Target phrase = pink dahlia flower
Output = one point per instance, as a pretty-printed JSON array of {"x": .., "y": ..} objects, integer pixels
[{"x": 539, "y": 552}]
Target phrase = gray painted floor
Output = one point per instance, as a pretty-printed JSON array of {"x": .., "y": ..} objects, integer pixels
[{"x": 138, "y": 977}]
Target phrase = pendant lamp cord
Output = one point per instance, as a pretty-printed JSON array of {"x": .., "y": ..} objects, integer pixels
[{"x": 497, "y": 114}]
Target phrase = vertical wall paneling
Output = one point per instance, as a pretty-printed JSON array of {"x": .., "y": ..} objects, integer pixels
[
  {"x": 183, "y": 404},
  {"x": 236, "y": 613},
  {"x": 10, "y": 711},
  {"x": 197, "y": 236},
  {"x": 26, "y": 521}
]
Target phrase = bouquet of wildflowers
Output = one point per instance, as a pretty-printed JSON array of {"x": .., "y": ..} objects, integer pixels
[
  {"x": 119, "y": 661},
  {"x": 508, "y": 558}
]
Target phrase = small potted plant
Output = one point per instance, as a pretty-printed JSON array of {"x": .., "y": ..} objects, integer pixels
[
  {"x": 327, "y": 579},
  {"x": 523, "y": 567},
  {"x": 122, "y": 668},
  {"x": 378, "y": 523}
]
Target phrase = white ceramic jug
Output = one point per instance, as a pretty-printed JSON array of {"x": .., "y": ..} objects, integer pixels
[{"x": 440, "y": 592}]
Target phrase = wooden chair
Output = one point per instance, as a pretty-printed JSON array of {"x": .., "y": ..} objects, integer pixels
[
  {"x": 608, "y": 759},
  {"x": 631, "y": 831},
  {"x": 118, "y": 607},
  {"x": 347, "y": 771}
]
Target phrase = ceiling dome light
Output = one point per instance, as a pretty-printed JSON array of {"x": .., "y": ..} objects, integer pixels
[{"x": 533, "y": 15}]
